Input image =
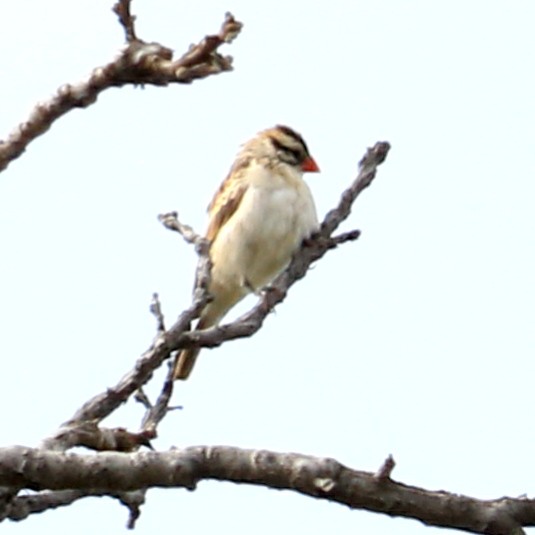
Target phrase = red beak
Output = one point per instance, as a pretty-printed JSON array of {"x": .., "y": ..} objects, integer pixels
[{"x": 310, "y": 165}]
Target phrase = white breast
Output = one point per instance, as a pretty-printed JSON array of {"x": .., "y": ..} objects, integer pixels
[{"x": 276, "y": 213}]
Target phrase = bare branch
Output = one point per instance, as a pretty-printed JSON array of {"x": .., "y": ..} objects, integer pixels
[
  {"x": 323, "y": 478},
  {"x": 202, "y": 52},
  {"x": 138, "y": 63},
  {"x": 178, "y": 336},
  {"x": 89, "y": 435},
  {"x": 133, "y": 502},
  {"x": 103, "y": 404},
  {"x": 374, "y": 157},
  {"x": 156, "y": 311},
  {"x": 311, "y": 250},
  {"x": 171, "y": 222},
  {"x": 385, "y": 471},
  {"x": 344, "y": 237},
  {"x": 126, "y": 19},
  {"x": 23, "y": 506},
  {"x": 160, "y": 409},
  {"x": 142, "y": 398}
]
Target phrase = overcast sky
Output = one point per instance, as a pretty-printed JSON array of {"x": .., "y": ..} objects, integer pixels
[{"x": 417, "y": 340}]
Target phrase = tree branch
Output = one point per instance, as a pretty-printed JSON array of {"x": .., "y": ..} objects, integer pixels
[
  {"x": 178, "y": 336},
  {"x": 323, "y": 478},
  {"x": 22, "y": 507},
  {"x": 311, "y": 250},
  {"x": 138, "y": 63}
]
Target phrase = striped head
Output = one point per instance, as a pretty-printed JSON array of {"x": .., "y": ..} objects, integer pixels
[{"x": 283, "y": 144}]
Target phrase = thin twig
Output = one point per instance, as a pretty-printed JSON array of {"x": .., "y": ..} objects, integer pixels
[
  {"x": 156, "y": 311},
  {"x": 385, "y": 470},
  {"x": 170, "y": 221},
  {"x": 160, "y": 409},
  {"x": 126, "y": 19},
  {"x": 142, "y": 398},
  {"x": 133, "y": 502}
]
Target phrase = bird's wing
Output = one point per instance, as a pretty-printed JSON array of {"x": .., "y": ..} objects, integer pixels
[{"x": 227, "y": 198}]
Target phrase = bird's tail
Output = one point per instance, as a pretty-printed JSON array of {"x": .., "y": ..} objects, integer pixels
[
  {"x": 184, "y": 363},
  {"x": 186, "y": 358}
]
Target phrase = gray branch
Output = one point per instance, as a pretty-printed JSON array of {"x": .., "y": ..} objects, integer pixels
[
  {"x": 138, "y": 63},
  {"x": 311, "y": 250},
  {"x": 179, "y": 336},
  {"x": 21, "y": 507},
  {"x": 115, "y": 473}
]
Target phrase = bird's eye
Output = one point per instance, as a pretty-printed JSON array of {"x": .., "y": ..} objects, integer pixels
[{"x": 287, "y": 154}]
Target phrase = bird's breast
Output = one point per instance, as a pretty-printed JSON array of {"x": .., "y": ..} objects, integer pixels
[{"x": 259, "y": 240}]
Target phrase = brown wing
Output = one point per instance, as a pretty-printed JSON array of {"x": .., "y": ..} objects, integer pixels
[{"x": 227, "y": 199}]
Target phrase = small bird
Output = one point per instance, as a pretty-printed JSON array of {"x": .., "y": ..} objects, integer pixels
[{"x": 258, "y": 218}]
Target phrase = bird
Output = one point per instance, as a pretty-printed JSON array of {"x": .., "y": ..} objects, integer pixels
[{"x": 258, "y": 218}]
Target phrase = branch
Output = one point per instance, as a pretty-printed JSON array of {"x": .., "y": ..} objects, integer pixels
[
  {"x": 311, "y": 250},
  {"x": 155, "y": 414},
  {"x": 179, "y": 336},
  {"x": 82, "y": 428},
  {"x": 323, "y": 478},
  {"x": 103, "y": 404},
  {"x": 126, "y": 19},
  {"x": 374, "y": 157},
  {"x": 385, "y": 470},
  {"x": 88, "y": 434},
  {"x": 138, "y": 63},
  {"x": 22, "y": 507}
]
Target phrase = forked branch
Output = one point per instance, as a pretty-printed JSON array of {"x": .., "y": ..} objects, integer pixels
[
  {"x": 138, "y": 63},
  {"x": 179, "y": 336}
]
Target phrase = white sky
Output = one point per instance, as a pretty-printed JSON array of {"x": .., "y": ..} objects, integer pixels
[{"x": 417, "y": 340}]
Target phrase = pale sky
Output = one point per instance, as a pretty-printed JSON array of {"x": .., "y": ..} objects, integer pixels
[{"x": 417, "y": 340}]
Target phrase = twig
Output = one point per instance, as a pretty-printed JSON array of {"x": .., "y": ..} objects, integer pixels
[
  {"x": 23, "y": 506},
  {"x": 374, "y": 157},
  {"x": 170, "y": 221},
  {"x": 344, "y": 237},
  {"x": 126, "y": 19},
  {"x": 156, "y": 311},
  {"x": 142, "y": 398},
  {"x": 385, "y": 470},
  {"x": 157, "y": 413},
  {"x": 90, "y": 435},
  {"x": 133, "y": 502},
  {"x": 203, "y": 51}
]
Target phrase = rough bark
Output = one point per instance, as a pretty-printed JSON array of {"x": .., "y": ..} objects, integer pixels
[{"x": 114, "y": 473}]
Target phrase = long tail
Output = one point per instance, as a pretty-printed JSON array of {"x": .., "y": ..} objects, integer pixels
[
  {"x": 186, "y": 359},
  {"x": 225, "y": 297},
  {"x": 185, "y": 362}
]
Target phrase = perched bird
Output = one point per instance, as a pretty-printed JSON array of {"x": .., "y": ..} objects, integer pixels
[{"x": 258, "y": 218}]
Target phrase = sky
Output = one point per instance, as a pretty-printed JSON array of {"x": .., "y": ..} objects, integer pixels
[{"x": 416, "y": 340}]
